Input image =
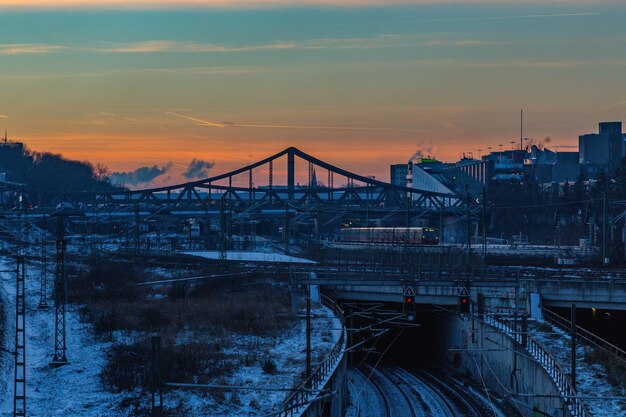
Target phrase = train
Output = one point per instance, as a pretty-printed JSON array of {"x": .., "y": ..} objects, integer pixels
[{"x": 390, "y": 235}]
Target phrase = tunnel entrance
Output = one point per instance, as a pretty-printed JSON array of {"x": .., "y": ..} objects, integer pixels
[{"x": 407, "y": 346}]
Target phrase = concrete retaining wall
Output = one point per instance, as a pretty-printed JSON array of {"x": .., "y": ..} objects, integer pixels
[
  {"x": 486, "y": 355},
  {"x": 334, "y": 406}
]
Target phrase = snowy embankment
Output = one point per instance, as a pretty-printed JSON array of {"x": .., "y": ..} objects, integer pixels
[
  {"x": 289, "y": 352},
  {"x": 76, "y": 389},
  {"x": 591, "y": 378}
]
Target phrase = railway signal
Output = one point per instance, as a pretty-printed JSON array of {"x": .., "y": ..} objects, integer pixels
[
  {"x": 408, "y": 305},
  {"x": 464, "y": 304}
]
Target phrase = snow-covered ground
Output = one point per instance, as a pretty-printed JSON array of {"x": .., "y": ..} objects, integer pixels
[
  {"x": 289, "y": 352},
  {"x": 76, "y": 389},
  {"x": 591, "y": 380},
  {"x": 68, "y": 390},
  {"x": 247, "y": 256}
]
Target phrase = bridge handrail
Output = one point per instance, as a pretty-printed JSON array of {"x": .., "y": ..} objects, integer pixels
[
  {"x": 302, "y": 397},
  {"x": 548, "y": 362},
  {"x": 585, "y": 335}
]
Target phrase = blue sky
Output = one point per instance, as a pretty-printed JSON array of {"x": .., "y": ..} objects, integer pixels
[{"x": 133, "y": 87}]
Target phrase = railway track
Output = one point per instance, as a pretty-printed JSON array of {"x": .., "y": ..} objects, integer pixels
[
  {"x": 458, "y": 399},
  {"x": 477, "y": 406},
  {"x": 398, "y": 402},
  {"x": 380, "y": 394},
  {"x": 423, "y": 393}
]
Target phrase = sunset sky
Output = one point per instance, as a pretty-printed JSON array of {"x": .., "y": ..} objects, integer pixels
[{"x": 359, "y": 83}]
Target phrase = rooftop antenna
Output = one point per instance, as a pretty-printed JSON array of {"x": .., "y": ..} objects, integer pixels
[{"x": 521, "y": 129}]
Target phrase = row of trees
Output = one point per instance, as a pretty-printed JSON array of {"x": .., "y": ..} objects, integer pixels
[{"x": 51, "y": 172}]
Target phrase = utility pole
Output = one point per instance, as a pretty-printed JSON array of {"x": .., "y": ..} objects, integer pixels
[
  {"x": 136, "y": 239},
  {"x": 19, "y": 381},
  {"x": 407, "y": 242},
  {"x": 157, "y": 378},
  {"x": 468, "y": 261},
  {"x": 604, "y": 258},
  {"x": 43, "y": 296},
  {"x": 441, "y": 238},
  {"x": 308, "y": 337},
  {"x": 484, "y": 219},
  {"x": 60, "y": 297},
  {"x": 223, "y": 232},
  {"x": 469, "y": 231},
  {"x": 521, "y": 129},
  {"x": 573, "y": 337},
  {"x": 286, "y": 229},
  {"x": 557, "y": 218}
]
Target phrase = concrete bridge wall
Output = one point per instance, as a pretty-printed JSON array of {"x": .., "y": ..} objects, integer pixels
[{"x": 585, "y": 294}]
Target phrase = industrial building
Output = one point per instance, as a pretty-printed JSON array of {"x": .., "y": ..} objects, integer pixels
[
  {"x": 603, "y": 151},
  {"x": 599, "y": 152}
]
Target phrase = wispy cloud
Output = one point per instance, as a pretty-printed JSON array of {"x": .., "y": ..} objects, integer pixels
[
  {"x": 28, "y": 48},
  {"x": 370, "y": 42},
  {"x": 247, "y": 4},
  {"x": 137, "y": 71},
  {"x": 386, "y": 40},
  {"x": 114, "y": 115},
  {"x": 172, "y": 46},
  {"x": 518, "y": 63},
  {"x": 2, "y": 116}
]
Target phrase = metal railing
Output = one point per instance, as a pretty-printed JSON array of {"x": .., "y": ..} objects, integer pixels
[
  {"x": 547, "y": 361},
  {"x": 309, "y": 390},
  {"x": 585, "y": 336}
]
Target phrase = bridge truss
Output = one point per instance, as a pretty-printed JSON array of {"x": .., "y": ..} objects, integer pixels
[{"x": 254, "y": 188}]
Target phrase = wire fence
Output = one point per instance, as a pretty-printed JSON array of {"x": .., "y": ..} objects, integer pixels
[
  {"x": 309, "y": 390},
  {"x": 586, "y": 336}
]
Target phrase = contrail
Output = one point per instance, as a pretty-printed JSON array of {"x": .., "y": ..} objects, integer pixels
[
  {"x": 229, "y": 124},
  {"x": 612, "y": 105},
  {"x": 202, "y": 122},
  {"x": 106, "y": 113},
  {"x": 322, "y": 127}
]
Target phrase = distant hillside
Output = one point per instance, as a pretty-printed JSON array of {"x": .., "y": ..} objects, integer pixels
[{"x": 50, "y": 172}]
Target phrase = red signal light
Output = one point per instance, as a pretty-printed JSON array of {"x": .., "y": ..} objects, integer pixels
[
  {"x": 408, "y": 304},
  {"x": 464, "y": 304}
]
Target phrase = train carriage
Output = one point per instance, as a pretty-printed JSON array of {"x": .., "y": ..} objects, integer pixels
[{"x": 390, "y": 235}]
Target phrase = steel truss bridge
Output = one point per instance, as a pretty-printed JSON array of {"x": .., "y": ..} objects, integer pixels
[{"x": 251, "y": 189}]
